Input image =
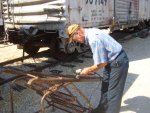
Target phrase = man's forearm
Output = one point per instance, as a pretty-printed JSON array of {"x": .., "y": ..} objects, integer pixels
[{"x": 95, "y": 68}]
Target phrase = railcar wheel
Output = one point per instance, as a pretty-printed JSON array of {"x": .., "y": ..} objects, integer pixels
[
  {"x": 30, "y": 49},
  {"x": 55, "y": 51},
  {"x": 141, "y": 25},
  {"x": 70, "y": 48}
]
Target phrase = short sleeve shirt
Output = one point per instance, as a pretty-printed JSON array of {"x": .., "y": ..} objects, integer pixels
[{"x": 104, "y": 48}]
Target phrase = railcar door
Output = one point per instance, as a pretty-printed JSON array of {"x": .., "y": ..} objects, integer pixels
[
  {"x": 126, "y": 11},
  {"x": 74, "y": 11},
  {"x": 91, "y": 13}
]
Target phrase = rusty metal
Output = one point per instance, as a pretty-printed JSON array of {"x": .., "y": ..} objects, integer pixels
[
  {"x": 67, "y": 90},
  {"x": 48, "y": 87},
  {"x": 52, "y": 77},
  {"x": 65, "y": 96},
  {"x": 69, "y": 105},
  {"x": 50, "y": 91},
  {"x": 81, "y": 93}
]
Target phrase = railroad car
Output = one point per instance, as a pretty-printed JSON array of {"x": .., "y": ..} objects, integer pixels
[{"x": 38, "y": 23}]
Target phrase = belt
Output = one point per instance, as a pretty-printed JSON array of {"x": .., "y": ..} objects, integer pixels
[
  {"x": 108, "y": 65},
  {"x": 119, "y": 53}
]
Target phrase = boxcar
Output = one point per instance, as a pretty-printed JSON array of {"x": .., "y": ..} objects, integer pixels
[{"x": 38, "y": 23}]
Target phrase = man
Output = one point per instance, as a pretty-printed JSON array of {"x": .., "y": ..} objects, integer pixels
[{"x": 109, "y": 54}]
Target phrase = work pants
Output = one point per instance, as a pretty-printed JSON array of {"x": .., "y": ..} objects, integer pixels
[{"x": 114, "y": 77}]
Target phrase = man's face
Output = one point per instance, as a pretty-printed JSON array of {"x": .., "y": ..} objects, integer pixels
[{"x": 78, "y": 36}]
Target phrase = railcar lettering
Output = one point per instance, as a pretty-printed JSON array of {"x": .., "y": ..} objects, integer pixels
[
  {"x": 96, "y": 2},
  {"x": 94, "y": 13}
]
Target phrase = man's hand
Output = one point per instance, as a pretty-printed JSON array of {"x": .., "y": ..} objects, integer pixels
[
  {"x": 86, "y": 71},
  {"x": 83, "y": 72}
]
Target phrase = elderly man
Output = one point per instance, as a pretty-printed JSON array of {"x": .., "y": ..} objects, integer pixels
[{"x": 109, "y": 54}]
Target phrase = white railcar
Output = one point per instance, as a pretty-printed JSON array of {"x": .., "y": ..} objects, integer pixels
[{"x": 45, "y": 21}]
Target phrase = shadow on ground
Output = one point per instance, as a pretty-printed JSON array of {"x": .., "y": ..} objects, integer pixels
[
  {"x": 134, "y": 104},
  {"x": 131, "y": 78}
]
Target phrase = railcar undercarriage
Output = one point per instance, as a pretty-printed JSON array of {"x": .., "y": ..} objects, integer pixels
[{"x": 31, "y": 40}]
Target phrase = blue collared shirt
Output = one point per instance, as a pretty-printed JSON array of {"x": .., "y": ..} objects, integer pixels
[{"x": 104, "y": 48}]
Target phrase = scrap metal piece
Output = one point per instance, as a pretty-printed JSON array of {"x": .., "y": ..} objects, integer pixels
[
  {"x": 48, "y": 87},
  {"x": 50, "y": 90}
]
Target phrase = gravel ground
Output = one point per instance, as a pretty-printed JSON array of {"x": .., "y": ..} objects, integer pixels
[{"x": 136, "y": 97}]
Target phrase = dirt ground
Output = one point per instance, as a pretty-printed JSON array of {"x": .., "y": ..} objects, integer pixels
[{"x": 136, "y": 98}]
